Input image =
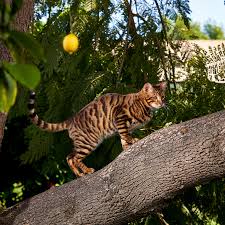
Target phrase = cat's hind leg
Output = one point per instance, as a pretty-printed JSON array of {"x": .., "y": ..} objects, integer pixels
[
  {"x": 74, "y": 161},
  {"x": 73, "y": 164}
]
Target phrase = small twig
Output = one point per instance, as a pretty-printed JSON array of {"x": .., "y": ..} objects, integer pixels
[{"x": 163, "y": 222}]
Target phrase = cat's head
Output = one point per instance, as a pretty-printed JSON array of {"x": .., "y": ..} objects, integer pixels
[{"x": 154, "y": 94}]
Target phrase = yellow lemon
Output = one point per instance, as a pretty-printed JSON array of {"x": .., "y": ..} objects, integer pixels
[{"x": 70, "y": 43}]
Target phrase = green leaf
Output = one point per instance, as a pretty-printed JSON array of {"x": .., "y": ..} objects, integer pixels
[
  {"x": 26, "y": 74},
  {"x": 16, "y": 5},
  {"x": 25, "y": 40},
  {"x": 8, "y": 92},
  {"x": 5, "y": 14}
]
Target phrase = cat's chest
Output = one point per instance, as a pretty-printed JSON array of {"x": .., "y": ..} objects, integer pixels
[
  {"x": 137, "y": 123},
  {"x": 134, "y": 124}
]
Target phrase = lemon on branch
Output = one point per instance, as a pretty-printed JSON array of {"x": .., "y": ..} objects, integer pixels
[{"x": 70, "y": 43}]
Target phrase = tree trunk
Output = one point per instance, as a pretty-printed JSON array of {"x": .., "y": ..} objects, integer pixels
[
  {"x": 3, "y": 117},
  {"x": 21, "y": 23},
  {"x": 138, "y": 182}
]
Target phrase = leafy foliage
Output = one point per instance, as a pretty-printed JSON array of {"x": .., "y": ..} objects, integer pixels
[
  {"x": 179, "y": 31},
  {"x": 8, "y": 91},
  {"x": 27, "y": 74},
  {"x": 214, "y": 31},
  {"x": 16, "y": 42},
  {"x": 115, "y": 55}
]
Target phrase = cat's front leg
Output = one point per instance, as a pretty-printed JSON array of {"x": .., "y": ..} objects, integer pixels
[
  {"x": 135, "y": 140},
  {"x": 122, "y": 125},
  {"x": 126, "y": 139},
  {"x": 125, "y": 143}
]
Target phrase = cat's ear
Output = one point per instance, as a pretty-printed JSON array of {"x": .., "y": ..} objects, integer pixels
[
  {"x": 148, "y": 87},
  {"x": 163, "y": 86}
]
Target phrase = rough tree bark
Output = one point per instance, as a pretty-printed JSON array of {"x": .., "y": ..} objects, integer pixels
[
  {"x": 21, "y": 23},
  {"x": 137, "y": 183}
]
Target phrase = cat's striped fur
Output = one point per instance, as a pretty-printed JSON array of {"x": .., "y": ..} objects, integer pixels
[{"x": 105, "y": 116}]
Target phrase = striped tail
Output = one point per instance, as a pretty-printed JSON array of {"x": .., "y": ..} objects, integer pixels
[{"x": 52, "y": 127}]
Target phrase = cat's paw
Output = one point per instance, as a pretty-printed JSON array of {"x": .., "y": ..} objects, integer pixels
[
  {"x": 134, "y": 140},
  {"x": 90, "y": 170},
  {"x": 80, "y": 174}
]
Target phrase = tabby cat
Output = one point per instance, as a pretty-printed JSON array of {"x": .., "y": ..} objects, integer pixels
[{"x": 103, "y": 117}]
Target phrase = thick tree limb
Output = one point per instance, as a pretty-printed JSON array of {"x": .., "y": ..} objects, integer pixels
[{"x": 137, "y": 182}]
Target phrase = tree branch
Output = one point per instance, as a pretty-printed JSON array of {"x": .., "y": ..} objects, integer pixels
[
  {"x": 137, "y": 183},
  {"x": 164, "y": 32}
]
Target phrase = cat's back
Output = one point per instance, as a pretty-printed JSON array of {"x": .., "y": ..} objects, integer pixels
[
  {"x": 99, "y": 115},
  {"x": 103, "y": 105}
]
